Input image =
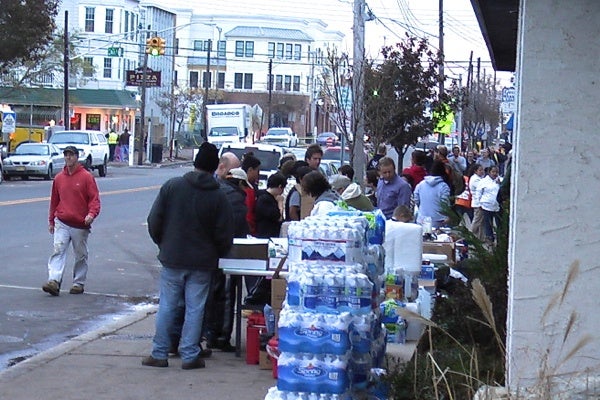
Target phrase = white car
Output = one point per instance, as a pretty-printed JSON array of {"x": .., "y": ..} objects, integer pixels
[
  {"x": 34, "y": 159},
  {"x": 268, "y": 155},
  {"x": 92, "y": 146},
  {"x": 281, "y": 137}
]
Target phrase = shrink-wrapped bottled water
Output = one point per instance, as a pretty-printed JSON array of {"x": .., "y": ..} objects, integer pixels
[
  {"x": 314, "y": 333},
  {"x": 307, "y": 372}
]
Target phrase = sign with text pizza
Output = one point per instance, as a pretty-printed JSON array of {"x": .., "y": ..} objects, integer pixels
[{"x": 136, "y": 77}]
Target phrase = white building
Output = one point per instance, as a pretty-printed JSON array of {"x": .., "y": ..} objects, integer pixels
[{"x": 243, "y": 48}]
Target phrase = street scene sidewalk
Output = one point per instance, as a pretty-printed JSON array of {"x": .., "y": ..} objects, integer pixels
[{"x": 106, "y": 364}]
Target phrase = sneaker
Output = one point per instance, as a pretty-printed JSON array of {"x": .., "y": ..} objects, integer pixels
[
  {"x": 194, "y": 364},
  {"x": 52, "y": 287},
  {"x": 154, "y": 362},
  {"x": 76, "y": 289}
]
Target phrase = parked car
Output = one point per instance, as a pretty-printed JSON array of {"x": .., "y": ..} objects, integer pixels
[
  {"x": 268, "y": 155},
  {"x": 327, "y": 139},
  {"x": 329, "y": 167},
  {"x": 92, "y": 146},
  {"x": 335, "y": 153},
  {"x": 34, "y": 159},
  {"x": 281, "y": 137}
]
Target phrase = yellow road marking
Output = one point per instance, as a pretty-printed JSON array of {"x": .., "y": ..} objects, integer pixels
[{"x": 39, "y": 199}]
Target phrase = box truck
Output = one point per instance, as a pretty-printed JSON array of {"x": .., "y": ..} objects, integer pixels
[{"x": 228, "y": 123}]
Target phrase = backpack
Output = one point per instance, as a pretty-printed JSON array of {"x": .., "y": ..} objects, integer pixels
[{"x": 457, "y": 182}]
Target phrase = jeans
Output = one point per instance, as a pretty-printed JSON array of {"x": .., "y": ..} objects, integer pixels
[
  {"x": 191, "y": 286},
  {"x": 125, "y": 153},
  {"x": 63, "y": 235},
  {"x": 489, "y": 217}
]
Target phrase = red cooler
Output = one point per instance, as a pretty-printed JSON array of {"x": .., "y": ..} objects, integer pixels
[{"x": 256, "y": 324}]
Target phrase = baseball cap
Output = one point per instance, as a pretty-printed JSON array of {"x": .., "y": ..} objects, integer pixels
[
  {"x": 239, "y": 173},
  {"x": 71, "y": 149},
  {"x": 339, "y": 182}
]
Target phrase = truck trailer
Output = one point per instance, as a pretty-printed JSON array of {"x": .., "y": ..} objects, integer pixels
[{"x": 228, "y": 123}]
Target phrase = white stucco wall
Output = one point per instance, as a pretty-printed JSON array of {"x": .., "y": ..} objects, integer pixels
[{"x": 555, "y": 215}]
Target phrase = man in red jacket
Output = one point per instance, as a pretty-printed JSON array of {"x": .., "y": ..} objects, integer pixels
[{"x": 74, "y": 204}]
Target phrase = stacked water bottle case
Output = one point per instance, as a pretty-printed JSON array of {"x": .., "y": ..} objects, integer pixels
[{"x": 330, "y": 334}]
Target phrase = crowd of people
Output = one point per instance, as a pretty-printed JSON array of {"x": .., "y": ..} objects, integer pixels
[
  {"x": 195, "y": 218},
  {"x": 118, "y": 145}
]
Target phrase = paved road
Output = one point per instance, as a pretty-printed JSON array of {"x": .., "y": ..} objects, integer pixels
[{"x": 123, "y": 266}]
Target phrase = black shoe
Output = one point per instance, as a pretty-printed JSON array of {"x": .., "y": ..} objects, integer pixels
[
  {"x": 154, "y": 362},
  {"x": 205, "y": 353},
  {"x": 194, "y": 364}
]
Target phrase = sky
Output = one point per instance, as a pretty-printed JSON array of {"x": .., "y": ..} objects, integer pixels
[{"x": 393, "y": 18}]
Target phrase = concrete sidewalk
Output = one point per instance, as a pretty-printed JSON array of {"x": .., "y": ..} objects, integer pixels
[{"x": 106, "y": 364}]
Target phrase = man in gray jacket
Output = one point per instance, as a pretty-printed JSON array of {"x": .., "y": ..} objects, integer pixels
[{"x": 191, "y": 221}]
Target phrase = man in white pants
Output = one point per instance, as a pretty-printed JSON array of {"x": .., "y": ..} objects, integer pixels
[{"x": 74, "y": 204}]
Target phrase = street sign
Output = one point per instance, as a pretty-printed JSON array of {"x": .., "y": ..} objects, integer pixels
[
  {"x": 115, "y": 52},
  {"x": 509, "y": 100},
  {"x": 135, "y": 78},
  {"x": 9, "y": 122}
]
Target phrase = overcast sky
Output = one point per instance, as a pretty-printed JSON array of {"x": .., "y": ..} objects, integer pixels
[{"x": 393, "y": 17}]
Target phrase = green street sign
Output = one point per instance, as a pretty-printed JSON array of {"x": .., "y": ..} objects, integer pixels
[{"x": 115, "y": 52}]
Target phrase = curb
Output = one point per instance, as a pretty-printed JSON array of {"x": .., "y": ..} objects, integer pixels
[{"x": 55, "y": 352}]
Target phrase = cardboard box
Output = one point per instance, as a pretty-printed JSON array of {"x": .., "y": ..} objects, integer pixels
[
  {"x": 252, "y": 254},
  {"x": 278, "y": 291},
  {"x": 264, "y": 361},
  {"x": 446, "y": 248}
]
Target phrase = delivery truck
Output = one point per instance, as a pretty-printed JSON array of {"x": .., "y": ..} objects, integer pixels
[{"x": 228, "y": 123}]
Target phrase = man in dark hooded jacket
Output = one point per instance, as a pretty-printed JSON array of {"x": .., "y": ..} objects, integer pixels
[{"x": 191, "y": 221}]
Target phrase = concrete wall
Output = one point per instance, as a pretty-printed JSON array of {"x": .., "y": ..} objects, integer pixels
[{"x": 555, "y": 216}]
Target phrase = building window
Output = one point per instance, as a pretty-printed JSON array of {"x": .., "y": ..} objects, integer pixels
[
  {"x": 247, "y": 81},
  {"x": 88, "y": 66},
  {"x": 221, "y": 49},
  {"x": 239, "y": 48},
  {"x": 108, "y": 67},
  {"x": 288, "y": 51},
  {"x": 175, "y": 78},
  {"x": 108, "y": 23},
  {"x": 280, "y": 50},
  {"x": 194, "y": 79},
  {"x": 279, "y": 82},
  {"x": 296, "y": 87},
  {"x": 242, "y": 81},
  {"x": 288, "y": 83},
  {"x": 198, "y": 45},
  {"x": 126, "y": 20},
  {"x": 92, "y": 121},
  {"x": 89, "y": 19},
  {"x": 133, "y": 24},
  {"x": 238, "y": 80},
  {"x": 297, "y": 52},
  {"x": 176, "y": 46},
  {"x": 206, "y": 45},
  {"x": 249, "y": 49},
  {"x": 206, "y": 79},
  {"x": 221, "y": 80},
  {"x": 271, "y": 50}
]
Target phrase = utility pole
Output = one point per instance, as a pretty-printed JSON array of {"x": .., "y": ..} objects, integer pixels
[
  {"x": 140, "y": 142},
  {"x": 206, "y": 85},
  {"x": 66, "y": 114},
  {"x": 358, "y": 87},
  {"x": 441, "y": 46},
  {"x": 270, "y": 94}
]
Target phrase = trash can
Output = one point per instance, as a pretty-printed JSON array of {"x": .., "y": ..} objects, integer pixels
[{"x": 156, "y": 154}]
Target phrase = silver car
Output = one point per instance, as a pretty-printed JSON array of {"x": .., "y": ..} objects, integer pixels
[{"x": 33, "y": 159}]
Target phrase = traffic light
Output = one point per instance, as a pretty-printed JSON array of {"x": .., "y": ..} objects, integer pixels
[
  {"x": 161, "y": 46},
  {"x": 153, "y": 46}
]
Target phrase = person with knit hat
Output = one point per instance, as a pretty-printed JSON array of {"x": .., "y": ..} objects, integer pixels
[{"x": 191, "y": 221}]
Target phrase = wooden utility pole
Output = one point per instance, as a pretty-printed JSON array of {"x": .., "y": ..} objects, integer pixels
[
  {"x": 441, "y": 46},
  {"x": 206, "y": 86},
  {"x": 358, "y": 88},
  {"x": 270, "y": 82},
  {"x": 66, "y": 114}
]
